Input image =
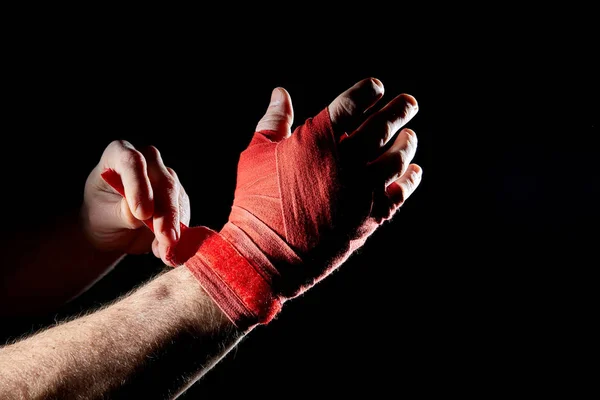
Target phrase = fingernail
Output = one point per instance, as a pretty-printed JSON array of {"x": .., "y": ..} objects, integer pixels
[
  {"x": 276, "y": 96},
  {"x": 412, "y": 102},
  {"x": 173, "y": 235},
  {"x": 377, "y": 83}
]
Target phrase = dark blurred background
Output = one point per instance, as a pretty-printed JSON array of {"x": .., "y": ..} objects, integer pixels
[{"x": 483, "y": 281}]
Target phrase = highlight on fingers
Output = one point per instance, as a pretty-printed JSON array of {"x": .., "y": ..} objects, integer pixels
[
  {"x": 401, "y": 189},
  {"x": 184, "y": 200},
  {"x": 397, "y": 117},
  {"x": 348, "y": 109},
  {"x": 392, "y": 164},
  {"x": 130, "y": 164},
  {"x": 166, "y": 198},
  {"x": 370, "y": 139}
]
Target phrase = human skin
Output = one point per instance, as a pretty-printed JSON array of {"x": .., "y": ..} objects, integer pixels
[
  {"x": 166, "y": 335},
  {"x": 51, "y": 264}
]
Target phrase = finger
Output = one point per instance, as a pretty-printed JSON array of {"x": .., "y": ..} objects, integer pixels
[
  {"x": 392, "y": 164},
  {"x": 166, "y": 198},
  {"x": 161, "y": 250},
  {"x": 347, "y": 110},
  {"x": 165, "y": 254},
  {"x": 124, "y": 215},
  {"x": 130, "y": 164},
  {"x": 155, "y": 248},
  {"x": 185, "y": 211},
  {"x": 370, "y": 139},
  {"x": 401, "y": 189},
  {"x": 277, "y": 122}
]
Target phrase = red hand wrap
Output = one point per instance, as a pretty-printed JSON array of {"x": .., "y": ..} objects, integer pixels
[
  {"x": 281, "y": 236},
  {"x": 243, "y": 294}
]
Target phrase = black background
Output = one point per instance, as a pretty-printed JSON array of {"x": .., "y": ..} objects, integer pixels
[{"x": 482, "y": 283}]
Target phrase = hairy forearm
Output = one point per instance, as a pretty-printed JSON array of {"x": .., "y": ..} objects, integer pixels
[
  {"x": 153, "y": 343},
  {"x": 48, "y": 265}
]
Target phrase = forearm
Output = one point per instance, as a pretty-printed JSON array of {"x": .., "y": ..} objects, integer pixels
[
  {"x": 49, "y": 265},
  {"x": 152, "y": 344}
]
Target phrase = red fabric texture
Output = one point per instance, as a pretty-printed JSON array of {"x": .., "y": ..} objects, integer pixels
[
  {"x": 291, "y": 223},
  {"x": 293, "y": 218},
  {"x": 244, "y": 295},
  {"x": 284, "y": 203}
]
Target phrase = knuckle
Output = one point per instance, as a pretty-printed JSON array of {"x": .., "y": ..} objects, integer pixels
[
  {"x": 386, "y": 130},
  {"x": 120, "y": 144},
  {"x": 275, "y": 116},
  {"x": 172, "y": 172},
  {"x": 171, "y": 217},
  {"x": 153, "y": 152},
  {"x": 343, "y": 108},
  {"x": 347, "y": 105},
  {"x": 132, "y": 220},
  {"x": 399, "y": 160},
  {"x": 116, "y": 147},
  {"x": 131, "y": 158},
  {"x": 169, "y": 183},
  {"x": 128, "y": 218},
  {"x": 266, "y": 119},
  {"x": 409, "y": 147},
  {"x": 136, "y": 204},
  {"x": 113, "y": 144},
  {"x": 183, "y": 197},
  {"x": 411, "y": 182},
  {"x": 411, "y": 139},
  {"x": 404, "y": 158}
]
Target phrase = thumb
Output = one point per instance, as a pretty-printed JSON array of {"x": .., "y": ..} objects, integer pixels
[{"x": 277, "y": 121}]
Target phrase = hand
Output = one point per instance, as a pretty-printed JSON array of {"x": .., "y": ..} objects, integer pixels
[
  {"x": 305, "y": 201},
  {"x": 152, "y": 191},
  {"x": 325, "y": 188}
]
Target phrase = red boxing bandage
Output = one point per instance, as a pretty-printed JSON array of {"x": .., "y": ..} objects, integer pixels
[
  {"x": 289, "y": 221},
  {"x": 290, "y": 224},
  {"x": 202, "y": 247}
]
